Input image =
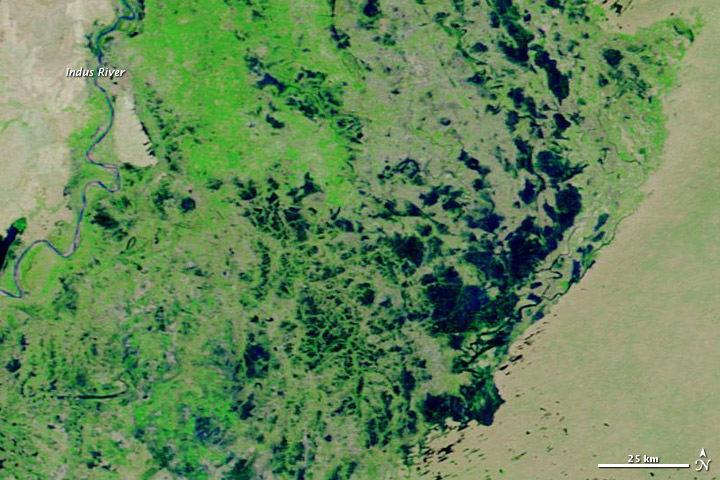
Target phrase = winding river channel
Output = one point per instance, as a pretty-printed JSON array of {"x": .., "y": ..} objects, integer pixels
[{"x": 114, "y": 169}]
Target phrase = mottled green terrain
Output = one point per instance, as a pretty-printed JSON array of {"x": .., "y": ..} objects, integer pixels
[{"x": 357, "y": 206}]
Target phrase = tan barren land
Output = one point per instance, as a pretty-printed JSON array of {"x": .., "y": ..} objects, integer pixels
[
  {"x": 40, "y": 107},
  {"x": 628, "y": 362},
  {"x": 131, "y": 142}
]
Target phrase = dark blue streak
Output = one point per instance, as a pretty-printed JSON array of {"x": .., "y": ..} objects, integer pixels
[{"x": 6, "y": 243}]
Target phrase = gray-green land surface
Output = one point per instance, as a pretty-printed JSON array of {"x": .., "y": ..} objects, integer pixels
[
  {"x": 625, "y": 362},
  {"x": 356, "y": 207}
]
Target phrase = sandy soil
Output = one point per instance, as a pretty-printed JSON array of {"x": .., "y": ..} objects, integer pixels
[
  {"x": 39, "y": 106},
  {"x": 131, "y": 142},
  {"x": 627, "y": 363}
]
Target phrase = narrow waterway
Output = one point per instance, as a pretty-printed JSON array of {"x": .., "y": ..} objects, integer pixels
[{"x": 128, "y": 14}]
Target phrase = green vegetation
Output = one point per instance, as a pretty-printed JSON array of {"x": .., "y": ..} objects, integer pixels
[{"x": 357, "y": 206}]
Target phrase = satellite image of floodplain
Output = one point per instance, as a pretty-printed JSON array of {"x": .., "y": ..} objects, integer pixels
[{"x": 359, "y": 239}]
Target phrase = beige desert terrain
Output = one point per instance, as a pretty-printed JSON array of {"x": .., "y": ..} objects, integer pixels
[
  {"x": 628, "y": 362},
  {"x": 131, "y": 142},
  {"x": 40, "y": 107}
]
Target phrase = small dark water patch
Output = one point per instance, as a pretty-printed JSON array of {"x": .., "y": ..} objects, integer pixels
[
  {"x": 613, "y": 57},
  {"x": 561, "y": 123},
  {"x": 13, "y": 365},
  {"x": 187, "y": 204},
  {"x": 13, "y": 232},
  {"x": 528, "y": 193},
  {"x": 6, "y": 243},
  {"x": 602, "y": 220},
  {"x": 576, "y": 272},
  {"x": 371, "y": 8}
]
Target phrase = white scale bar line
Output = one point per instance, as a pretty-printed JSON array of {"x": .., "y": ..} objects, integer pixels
[{"x": 643, "y": 465}]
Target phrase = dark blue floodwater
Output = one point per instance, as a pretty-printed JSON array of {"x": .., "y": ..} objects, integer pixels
[{"x": 6, "y": 243}]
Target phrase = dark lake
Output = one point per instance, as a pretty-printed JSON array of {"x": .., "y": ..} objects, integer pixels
[{"x": 6, "y": 243}]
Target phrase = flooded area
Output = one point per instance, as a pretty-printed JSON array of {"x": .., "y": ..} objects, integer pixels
[{"x": 626, "y": 363}]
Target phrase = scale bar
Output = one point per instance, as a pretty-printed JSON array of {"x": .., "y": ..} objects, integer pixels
[{"x": 643, "y": 465}]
